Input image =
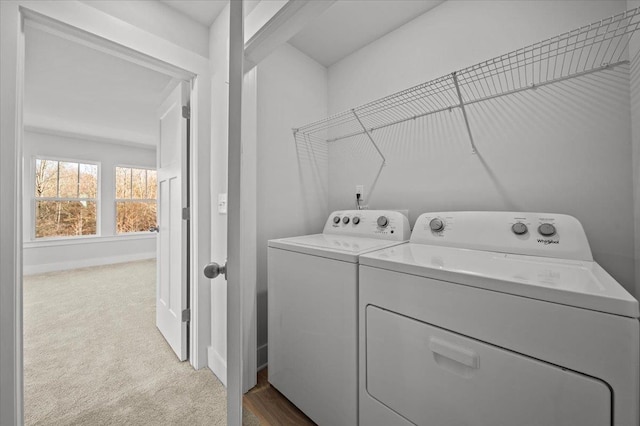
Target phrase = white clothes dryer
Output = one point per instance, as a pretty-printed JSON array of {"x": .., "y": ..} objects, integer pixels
[
  {"x": 313, "y": 311},
  {"x": 495, "y": 319}
]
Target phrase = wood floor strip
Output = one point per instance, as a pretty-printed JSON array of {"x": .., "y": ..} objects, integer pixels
[{"x": 271, "y": 407}]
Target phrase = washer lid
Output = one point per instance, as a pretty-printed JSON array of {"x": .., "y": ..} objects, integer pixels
[
  {"x": 582, "y": 284},
  {"x": 339, "y": 247}
]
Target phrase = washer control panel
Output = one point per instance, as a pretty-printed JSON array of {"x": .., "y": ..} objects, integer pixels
[
  {"x": 535, "y": 234},
  {"x": 383, "y": 224}
]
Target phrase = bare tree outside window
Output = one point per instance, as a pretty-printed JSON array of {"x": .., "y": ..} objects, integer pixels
[
  {"x": 135, "y": 199},
  {"x": 65, "y": 198}
]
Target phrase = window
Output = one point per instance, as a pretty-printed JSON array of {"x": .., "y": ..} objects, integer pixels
[
  {"x": 135, "y": 199},
  {"x": 65, "y": 198}
]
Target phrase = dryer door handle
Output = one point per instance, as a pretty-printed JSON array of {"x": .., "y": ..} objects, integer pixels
[{"x": 454, "y": 352}]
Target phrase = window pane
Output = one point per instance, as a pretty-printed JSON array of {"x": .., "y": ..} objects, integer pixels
[
  {"x": 123, "y": 182},
  {"x": 68, "y": 186},
  {"x": 139, "y": 183},
  {"x": 88, "y": 181},
  {"x": 152, "y": 184},
  {"x": 135, "y": 216},
  {"x": 65, "y": 218},
  {"x": 46, "y": 178}
]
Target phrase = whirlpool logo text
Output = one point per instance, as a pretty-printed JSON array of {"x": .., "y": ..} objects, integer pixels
[{"x": 547, "y": 242}]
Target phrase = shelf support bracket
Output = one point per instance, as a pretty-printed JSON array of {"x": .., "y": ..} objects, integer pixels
[
  {"x": 375, "y": 145},
  {"x": 366, "y": 132},
  {"x": 464, "y": 111}
]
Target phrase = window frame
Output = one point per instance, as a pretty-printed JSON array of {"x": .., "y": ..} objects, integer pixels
[
  {"x": 35, "y": 199},
  {"x": 117, "y": 200}
]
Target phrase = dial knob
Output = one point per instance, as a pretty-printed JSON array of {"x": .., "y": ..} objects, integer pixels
[
  {"x": 547, "y": 230},
  {"x": 519, "y": 228},
  {"x": 356, "y": 220},
  {"x": 345, "y": 220},
  {"x": 336, "y": 219},
  {"x": 436, "y": 225},
  {"x": 383, "y": 221}
]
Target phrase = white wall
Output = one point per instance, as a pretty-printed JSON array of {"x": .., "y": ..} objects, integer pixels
[
  {"x": 563, "y": 148},
  {"x": 159, "y": 19},
  {"x": 44, "y": 255},
  {"x": 454, "y": 35},
  {"x": 292, "y": 186},
  {"x": 219, "y": 63},
  {"x": 634, "y": 54},
  {"x": 219, "y": 60},
  {"x": 286, "y": 81}
]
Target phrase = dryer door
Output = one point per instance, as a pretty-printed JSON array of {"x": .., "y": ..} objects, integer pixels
[{"x": 431, "y": 376}]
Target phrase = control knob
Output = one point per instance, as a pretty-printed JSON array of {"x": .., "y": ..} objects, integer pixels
[
  {"x": 383, "y": 221},
  {"x": 356, "y": 220},
  {"x": 547, "y": 230},
  {"x": 519, "y": 228},
  {"x": 436, "y": 225},
  {"x": 336, "y": 219},
  {"x": 345, "y": 220}
]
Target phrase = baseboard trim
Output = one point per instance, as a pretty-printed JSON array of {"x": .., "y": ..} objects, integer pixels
[
  {"x": 85, "y": 263},
  {"x": 217, "y": 364},
  {"x": 263, "y": 356}
]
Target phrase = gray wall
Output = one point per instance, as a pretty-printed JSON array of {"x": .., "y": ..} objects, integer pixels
[{"x": 563, "y": 148}]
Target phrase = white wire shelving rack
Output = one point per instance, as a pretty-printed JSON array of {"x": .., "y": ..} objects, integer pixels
[{"x": 595, "y": 47}]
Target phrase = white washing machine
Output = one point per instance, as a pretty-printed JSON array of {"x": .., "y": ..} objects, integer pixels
[
  {"x": 495, "y": 319},
  {"x": 313, "y": 311}
]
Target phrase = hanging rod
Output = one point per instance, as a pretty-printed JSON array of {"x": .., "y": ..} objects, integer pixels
[{"x": 592, "y": 48}]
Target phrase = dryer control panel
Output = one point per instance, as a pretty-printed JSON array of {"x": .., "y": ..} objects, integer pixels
[
  {"x": 381, "y": 224},
  {"x": 535, "y": 234}
]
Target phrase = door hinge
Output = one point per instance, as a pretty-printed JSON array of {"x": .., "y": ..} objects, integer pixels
[
  {"x": 186, "y": 212},
  {"x": 186, "y": 112},
  {"x": 186, "y": 315}
]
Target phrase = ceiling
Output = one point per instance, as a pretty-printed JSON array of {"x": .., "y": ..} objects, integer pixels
[
  {"x": 345, "y": 27},
  {"x": 202, "y": 11},
  {"x": 73, "y": 88},
  {"x": 349, "y": 25},
  {"x": 206, "y": 11}
]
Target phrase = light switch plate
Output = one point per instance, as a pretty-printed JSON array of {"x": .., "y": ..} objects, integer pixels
[{"x": 222, "y": 203}]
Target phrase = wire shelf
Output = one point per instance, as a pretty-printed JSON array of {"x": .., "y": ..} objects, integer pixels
[{"x": 591, "y": 48}]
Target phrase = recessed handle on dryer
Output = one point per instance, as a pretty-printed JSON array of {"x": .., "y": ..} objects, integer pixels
[{"x": 454, "y": 352}]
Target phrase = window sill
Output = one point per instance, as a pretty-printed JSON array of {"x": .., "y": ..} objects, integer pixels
[{"x": 93, "y": 239}]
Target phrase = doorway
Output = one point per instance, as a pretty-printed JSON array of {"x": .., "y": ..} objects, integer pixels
[
  {"x": 90, "y": 128},
  {"x": 127, "y": 41}
]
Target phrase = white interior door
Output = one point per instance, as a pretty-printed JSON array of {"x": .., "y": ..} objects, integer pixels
[{"x": 171, "y": 292}]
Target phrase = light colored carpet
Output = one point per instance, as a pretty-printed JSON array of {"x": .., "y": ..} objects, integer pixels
[{"x": 93, "y": 355}]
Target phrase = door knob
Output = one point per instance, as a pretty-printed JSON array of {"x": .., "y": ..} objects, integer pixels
[
  {"x": 154, "y": 229},
  {"x": 213, "y": 269}
]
